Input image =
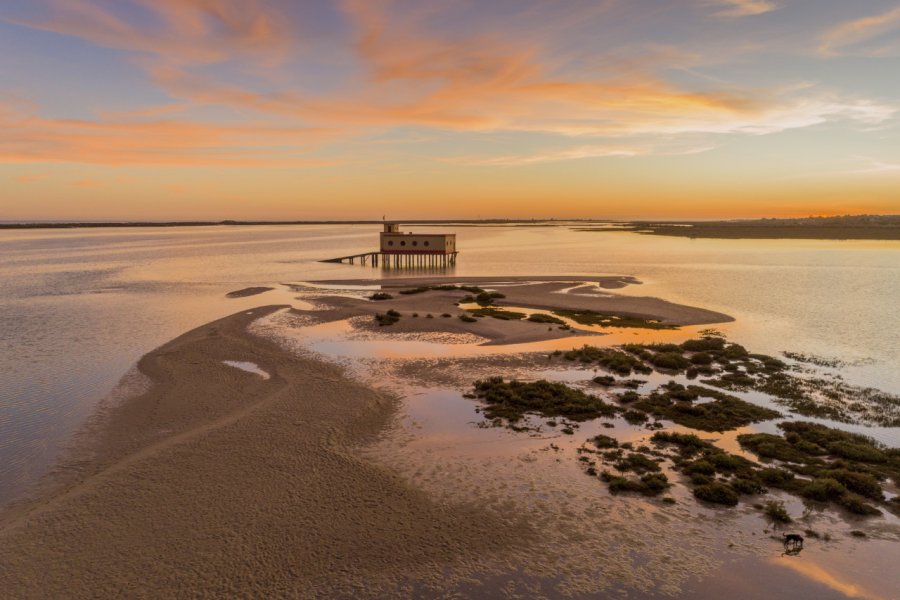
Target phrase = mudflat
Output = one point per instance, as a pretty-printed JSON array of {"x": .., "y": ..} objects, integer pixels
[{"x": 217, "y": 482}]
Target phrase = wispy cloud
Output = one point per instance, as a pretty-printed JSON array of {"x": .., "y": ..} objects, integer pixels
[
  {"x": 878, "y": 166},
  {"x": 28, "y": 137},
  {"x": 401, "y": 66},
  {"x": 743, "y": 8},
  {"x": 847, "y": 37},
  {"x": 416, "y": 76},
  {"x": 575, "y": 153},
  {"x": 193, "y": 31}
]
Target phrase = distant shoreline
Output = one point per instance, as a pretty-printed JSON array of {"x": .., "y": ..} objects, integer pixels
[
  {"x": 862, "y": 227},
  {"x": 850, "y": 227},
  {"x": 464, "y": 222}
]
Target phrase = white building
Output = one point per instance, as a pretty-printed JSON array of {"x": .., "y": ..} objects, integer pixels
[{"x": 394, "y": 241}]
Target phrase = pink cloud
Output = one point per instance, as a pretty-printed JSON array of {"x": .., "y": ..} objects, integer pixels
[{"x": 31, "y": 138}]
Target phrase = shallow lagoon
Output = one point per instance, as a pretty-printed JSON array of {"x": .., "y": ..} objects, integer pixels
[
  {"x": 597, "y": 542},
  {"x": 79, "y": 307}
]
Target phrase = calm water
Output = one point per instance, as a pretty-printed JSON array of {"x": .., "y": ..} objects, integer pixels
[{"x": 78, "y": 308}]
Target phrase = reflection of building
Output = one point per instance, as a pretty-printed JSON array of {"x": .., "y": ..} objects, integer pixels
[{"x": 393, "y": 241}]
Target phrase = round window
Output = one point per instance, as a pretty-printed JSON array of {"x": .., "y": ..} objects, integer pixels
[
  {"x": 391, "y": 243},
  {"x": 424, "y": 243},
  {"x": 415, "y": 243},
  {"x": 403, "y": 243}
]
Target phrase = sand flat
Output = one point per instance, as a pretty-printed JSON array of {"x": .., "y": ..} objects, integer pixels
[{"x": 217, "y": 483}]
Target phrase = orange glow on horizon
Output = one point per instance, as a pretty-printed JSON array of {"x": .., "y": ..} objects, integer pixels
[{"x": 267, "y": 109}]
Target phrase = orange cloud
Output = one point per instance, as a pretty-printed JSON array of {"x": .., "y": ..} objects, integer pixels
[
  {"x": 744, "y": 8},
  {"x": 404, "y": 68},
  {"x": 415, "y": 76},
  {"x": 199, "y": 31},
  {"x": 30, "y": 138},
  {"x": 858, "y": 31}
]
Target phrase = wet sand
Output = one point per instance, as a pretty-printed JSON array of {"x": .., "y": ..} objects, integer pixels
[
  {"x": 571, "y": 293},
  {"x": 249, "y": 470},
  {"x": 216, "y": 482}
]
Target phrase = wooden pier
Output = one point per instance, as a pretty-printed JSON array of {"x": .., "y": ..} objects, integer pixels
[{"x": 399, "y": 260}]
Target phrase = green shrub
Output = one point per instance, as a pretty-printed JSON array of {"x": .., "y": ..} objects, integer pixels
[
  {"x": 701, "y": 358},
  {"x": 855, "y": 451},
  {"x": 512, "y": 399},
  {"x": 775, "y": 477},
  {"x": 637, "y": 463},
  {"x": 706, "y": 344},
  {"x": 669, "y": 361},
  {"x": 655, "y": 483},
  {"x": 701, "y": 479},
  {"x": 688, "y": 443},
  {"x": 389, "y": 318},
  {"x": 860, "y": 483},
  {"x": 823, "y": 489},
  {"x": 542, "y": 318},
  {"x": 635, "y": 417},
  {"x": 747, "y": 485},
  {"x": 497, "y": 313},
  {"x": 717, "y": 493},
  {"x": 380, "y": 296},
  {"x": 857, "y": 505},
  {"x": 729, "y": 463},
  {"x": 628, "y": 397},
  {"x": 776, "y": 512},
  {"x": 701, "y": 467},
  {"x": 604, "y": 441}
]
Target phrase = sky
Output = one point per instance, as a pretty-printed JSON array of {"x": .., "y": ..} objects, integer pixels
[{"x": 356, "y": 109}]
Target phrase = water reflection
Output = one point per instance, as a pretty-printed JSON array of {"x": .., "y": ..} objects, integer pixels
[{"x": 79, "y": 307}]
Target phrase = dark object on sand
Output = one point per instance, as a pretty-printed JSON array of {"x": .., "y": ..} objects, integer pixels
[
  {"x": 793, "y": 543},
  {"x": 250, "y": 291}
]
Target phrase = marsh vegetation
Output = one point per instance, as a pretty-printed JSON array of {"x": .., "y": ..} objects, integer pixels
[
  {"x": 512, "y": 400},
  {"x": 497, "y": 313},
  {"x": 388, "y": 318},
  {"x": 592, "y": 317}
]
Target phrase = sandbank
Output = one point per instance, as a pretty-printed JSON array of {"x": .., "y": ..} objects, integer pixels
[
  {"x": 571, "y": 293},
  {"x": 217, "y": 482}
]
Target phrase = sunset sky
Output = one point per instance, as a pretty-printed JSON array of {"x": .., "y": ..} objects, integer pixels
[{"x": 302, "y": 109}]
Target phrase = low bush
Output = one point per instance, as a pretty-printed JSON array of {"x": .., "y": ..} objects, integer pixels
[
  {"x": 717, "y": 493},
  {"x": 823, "y": 489},
  {"x": 542, "y": 318},
  {"x": 775, "y": 511},
  {"x": 388, "y": 318}
]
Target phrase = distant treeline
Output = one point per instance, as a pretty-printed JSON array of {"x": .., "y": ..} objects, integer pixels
[
  {"x": 848, "y": 227},
  {"x": 840, "y": 221},
  {"x": 842, "y": 227},
  {"x": 76, "y": 225}
]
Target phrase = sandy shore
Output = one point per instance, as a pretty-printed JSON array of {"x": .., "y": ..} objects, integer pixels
[
  {"x": 570, "y": 293},
  {"x": 610, "y": 282},
  {"x": 217, "y": 482}
]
